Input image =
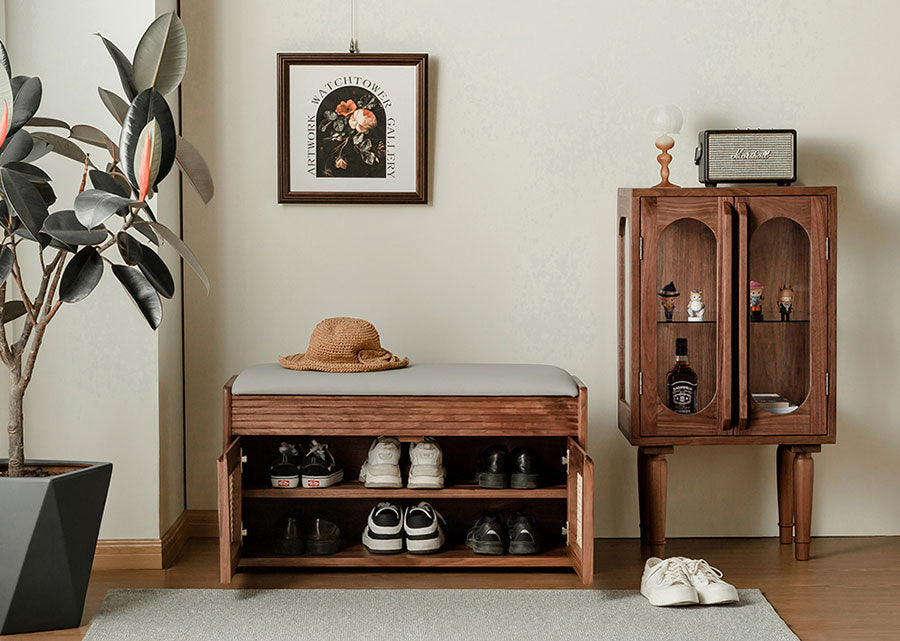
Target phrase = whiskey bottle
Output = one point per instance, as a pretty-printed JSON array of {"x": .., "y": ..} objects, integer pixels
[{"x": 681, "y": 382}]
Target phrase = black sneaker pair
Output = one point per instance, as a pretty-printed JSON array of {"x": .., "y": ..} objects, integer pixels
[
  {"x": 318, "y": 467},
  {"x": 322, "y": 538},
  {"x": 498, "y": 469},
  {"x": 494, "y": 534}
]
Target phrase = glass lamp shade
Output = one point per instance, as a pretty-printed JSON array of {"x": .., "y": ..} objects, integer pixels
[{"x": 665, "y": 119}]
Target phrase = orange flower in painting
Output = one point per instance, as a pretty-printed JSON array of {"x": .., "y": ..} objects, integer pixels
[
  {"x": 340, "y": 163},
  {"x": 346, "y": 108},
  {"x": 362, "y": 120}
]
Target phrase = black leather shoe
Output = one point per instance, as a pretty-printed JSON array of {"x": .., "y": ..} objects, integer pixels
[
  {"x": 289, "y": 541},
  {"x": 492, "y": 471},
  {"x": 488, "y": 535},
  {"x": 324, "y": 536},
  {"x": 525, "y": 469},
  {"x": 523, "y": 533}
]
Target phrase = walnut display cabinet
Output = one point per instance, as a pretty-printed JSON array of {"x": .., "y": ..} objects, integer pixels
[{"x": 761, "y": 380}]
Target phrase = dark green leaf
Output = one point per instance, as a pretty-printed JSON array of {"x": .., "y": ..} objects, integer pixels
[
  {"x": 194, "y": 168},
  {"x": 141, "y": 292},
  {"x": 6, "y": 262},
  {"x": 148, "y": 233},
  {"x": 34, "y": 173},
  {"x": 24, "y": 200},
  {"x": 37, "y": 121},
  {"x": 39, "y": 149},
  {"x": 148, "y": 105},
  {"x": 62, "y": 146},
  {"x": 46, "y": 192},
  {"x": 16, "y": 83},
  {"x": 116, "y": 105},
  {"x": 94, "y": 206},
  {"x": 12, "y": 309},
  {"x": 26, "y": 104},
  {"x": 170, "y": 237},
  {"x": 107, "y": 182},
  {"x": 65, "y": 227},
  {"x": 93, "y": 136},
  {"x": 155, "y": 270},
  {"x": 161, "y": 55},
  {"x": 81, "y": 275},
  {"x": 129, "y": 248},
  {"x": 123, "y": 65},
  {"x": 4, "y": 60},
  {"x": 16, "y": 148}
]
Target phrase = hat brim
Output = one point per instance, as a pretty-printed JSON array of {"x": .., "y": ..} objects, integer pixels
[{"x": 300, "y": 363}]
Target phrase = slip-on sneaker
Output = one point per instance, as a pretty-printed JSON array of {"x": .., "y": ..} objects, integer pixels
[
  {"x": 426, "y": 465},
  {"x": 384, "y": 529},
  {"x": 422, "y": 527},
  {"x": 381, "y": 468},
  {"x": 284, "y": 472},
  {"x": 665, "y": 582},
  {"x": 707, "y": 580},
  {"x": 319, "y": 468}
]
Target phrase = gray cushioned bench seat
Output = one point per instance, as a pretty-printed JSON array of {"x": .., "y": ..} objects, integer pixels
[{"x": 415, "y": 380}]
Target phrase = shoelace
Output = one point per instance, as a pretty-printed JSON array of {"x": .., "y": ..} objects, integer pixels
[
  {"x": 430, "y": 511},
  {"x": 700, "y": 569},
  {"x": 672, "y": 571},
  {"x": 318, "y": 449}
]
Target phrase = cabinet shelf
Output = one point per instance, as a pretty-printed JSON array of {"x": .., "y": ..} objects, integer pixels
[
  {"x": 356, "y": 490},
  {"x": 684, "y": 322},
  {"x": 453, "y": 556}
]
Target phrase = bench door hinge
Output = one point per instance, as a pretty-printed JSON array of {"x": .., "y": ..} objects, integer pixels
[
  {"x": 827, "y": 247},
  {"x": 565, "y": 460},
  {"x": 641, "y": 248},
  {"x": 565, "y": 530},
  {"x": 640, "y": 383},
  {"x": 243, "y": 531},
  {"x": 243, "y": 458},
  {"x": 827, "y": 383}
]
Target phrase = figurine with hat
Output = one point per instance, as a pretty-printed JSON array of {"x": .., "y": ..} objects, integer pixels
[
  {"x": 667, "y": 296},
  {"x": 756, "y": 299},
  {"x": 786, "y": 301}
]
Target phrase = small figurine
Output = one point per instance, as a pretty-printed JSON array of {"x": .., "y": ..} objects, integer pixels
[
  {"x": 695, "y": 307},
  {"x": 756, "y": 299},
  {"x": 786, "y": 301},
  {"x": 667, "y": 296}
]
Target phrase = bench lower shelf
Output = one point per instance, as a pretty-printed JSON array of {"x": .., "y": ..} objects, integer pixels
[{"x": 454, "y": 556}]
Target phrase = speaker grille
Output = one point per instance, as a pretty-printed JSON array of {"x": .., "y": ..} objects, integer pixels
[{"x": 750, "y": 155}]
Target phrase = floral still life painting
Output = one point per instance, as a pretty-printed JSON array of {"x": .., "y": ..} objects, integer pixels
[
  {"x": 351, "y": 137},
  {"x": 352, "y": 128}
]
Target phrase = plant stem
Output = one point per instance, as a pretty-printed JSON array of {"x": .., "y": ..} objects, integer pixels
[{"x": 16, "y": 434}]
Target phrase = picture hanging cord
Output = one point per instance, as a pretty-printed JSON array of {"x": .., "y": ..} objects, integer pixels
[{"x": 354, "y": 37}]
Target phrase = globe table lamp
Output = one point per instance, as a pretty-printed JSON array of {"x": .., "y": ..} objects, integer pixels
[{"x": 665, "y": 121}]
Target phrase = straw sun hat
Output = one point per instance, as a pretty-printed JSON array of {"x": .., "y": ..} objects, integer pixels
[{"x": 344, "y": 345}]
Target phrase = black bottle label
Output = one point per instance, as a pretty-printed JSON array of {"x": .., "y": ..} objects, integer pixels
[{"x": 682, "y": 394}]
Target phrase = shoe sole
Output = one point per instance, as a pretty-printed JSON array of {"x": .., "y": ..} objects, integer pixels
[
  {"x": 383, "y": 482},
  {"x": 322, "y": 548},
  {"x": 289, "y": 551},
  {"x": 424, "y": 546},
  {"x": 494, "y": 548},
  {"x": 323, "y": 481},
  {"x": 493, "y": 481},
  {"x": 425, "y": 483},
  {"x": 525, "y": 481},
  {"x": 285, "y": 482},
  {"x": 382, "y": 546},
  {"x": 523, "y": 547},
  {"x": 666, "y": 604}
]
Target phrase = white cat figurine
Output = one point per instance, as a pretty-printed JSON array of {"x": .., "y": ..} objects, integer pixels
[{"x": 695, "y": 306}]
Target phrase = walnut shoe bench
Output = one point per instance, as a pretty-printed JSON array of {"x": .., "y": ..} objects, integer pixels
[{"x": 465, "y": 407}]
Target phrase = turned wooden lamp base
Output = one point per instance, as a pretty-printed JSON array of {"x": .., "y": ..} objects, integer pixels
[{"x": 664, "y": 144}]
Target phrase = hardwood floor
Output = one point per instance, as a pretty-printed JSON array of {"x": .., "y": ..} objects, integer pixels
[{"x": 849, "y": 589}]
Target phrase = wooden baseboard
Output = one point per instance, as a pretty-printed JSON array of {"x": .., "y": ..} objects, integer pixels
[{"x": 156, "y": 554}]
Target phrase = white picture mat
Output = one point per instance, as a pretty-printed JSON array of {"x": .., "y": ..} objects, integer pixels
[{"x": 400, "y": 85}]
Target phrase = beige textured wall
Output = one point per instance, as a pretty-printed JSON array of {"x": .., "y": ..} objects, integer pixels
[{"x": 538, "y": 114}]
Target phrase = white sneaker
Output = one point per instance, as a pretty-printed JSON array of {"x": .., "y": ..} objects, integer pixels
[
  {"x": 422, "y": 526},
  {"x": 707, "y": 580},
  {"x": 382, "y": 466},
  {"x": 667, "y": 583},
  {"x": 426, "y": 469},
  {"x": 384, "y": 529}
]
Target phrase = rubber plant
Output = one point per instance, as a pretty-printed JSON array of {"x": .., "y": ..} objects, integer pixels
[{"x": 111, "y": 222}]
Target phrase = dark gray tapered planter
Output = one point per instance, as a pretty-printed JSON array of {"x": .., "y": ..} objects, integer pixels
[{"x": 48, "y": 534}]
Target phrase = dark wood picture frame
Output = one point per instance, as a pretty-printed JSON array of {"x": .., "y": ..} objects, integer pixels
[{"x": 284, "y": 63}]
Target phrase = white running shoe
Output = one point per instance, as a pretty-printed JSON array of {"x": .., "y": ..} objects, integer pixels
[
  {"x": 426, "y": 465},
  {"x": 707, "y": 580},
  {"x": 384, "y": 529},
  {"x": 381, "y": 468},
  {"x": 422, "y": 525},
  {"x": 666, "y": 582}
]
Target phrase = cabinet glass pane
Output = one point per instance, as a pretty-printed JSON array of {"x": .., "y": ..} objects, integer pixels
[
  {"x": 686, "y": 262},
  {"x": 778, "y": 342}
]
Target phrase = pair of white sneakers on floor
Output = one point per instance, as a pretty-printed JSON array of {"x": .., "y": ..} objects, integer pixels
[
  {"x": 382, "y": 466},
  {"x": 682, "y": 581}
]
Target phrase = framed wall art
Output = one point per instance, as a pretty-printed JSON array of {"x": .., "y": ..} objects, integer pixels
[{"x": 352, "y": 127}]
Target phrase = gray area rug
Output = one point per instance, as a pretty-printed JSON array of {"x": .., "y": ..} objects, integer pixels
[{"x": 422, "y": 615}]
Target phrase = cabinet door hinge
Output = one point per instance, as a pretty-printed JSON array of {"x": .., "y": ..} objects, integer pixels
[
  {"x": 565, "y": 530},
  {"x": 827, "y": 383},
  {"x": 565, "y": 460},
  {"x": 641, "y": 248},
  {"x": 640, "y": 383},
  {"x": 243, "y": 458},
  {"x": 827, "y": 247},
  {"x": 243, "y": 530}
]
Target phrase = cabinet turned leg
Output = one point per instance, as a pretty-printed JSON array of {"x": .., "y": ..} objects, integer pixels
[
  {"x": 803, "y": 493},
  {"x": 785, "y": 493},
  {"x": 642, "y": 496},
  {"x": 655, "y": 481}
]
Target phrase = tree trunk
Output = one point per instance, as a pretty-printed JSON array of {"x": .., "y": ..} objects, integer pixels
[{"x": 16, "y": 435}]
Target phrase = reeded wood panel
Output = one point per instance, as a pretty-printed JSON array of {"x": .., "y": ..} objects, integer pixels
[{"x": 406, "y": 415}]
